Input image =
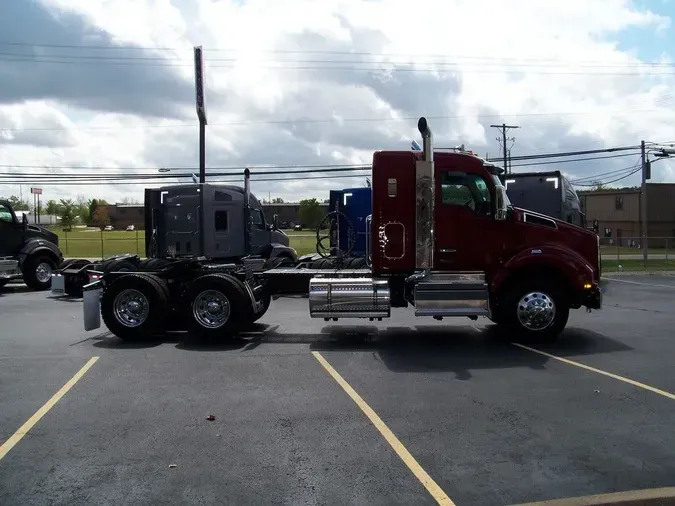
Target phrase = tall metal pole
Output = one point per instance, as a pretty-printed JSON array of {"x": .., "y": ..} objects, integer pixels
[
  {"x": 503, "y": 129},
  {"x": 643, "y": 202}
]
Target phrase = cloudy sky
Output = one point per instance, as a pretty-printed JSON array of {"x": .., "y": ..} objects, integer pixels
[{"x": 105, "y": 88}]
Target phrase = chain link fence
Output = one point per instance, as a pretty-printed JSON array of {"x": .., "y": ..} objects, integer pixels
[
  {"x": 98, "y": 244},
  {"x": 618, "y": 254},
  {"x": 633, "y": 254}
]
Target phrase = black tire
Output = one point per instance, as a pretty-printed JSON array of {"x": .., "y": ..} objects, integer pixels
[
  {"x": 153, "y": 292},
  {"x": 230, "y": 299},
  {"x": 66, "y": 263},
  {"x": 37, "y": 271},
  {"x": 121, "y": 265},
  {"x": 543, "y": 293},
  {"x": 153, "y": 264}
]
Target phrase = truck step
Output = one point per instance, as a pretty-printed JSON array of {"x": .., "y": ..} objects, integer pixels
[{"x": 452, "y": 294}]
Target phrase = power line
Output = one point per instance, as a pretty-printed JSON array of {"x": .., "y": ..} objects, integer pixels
[
  {"x": 572, "y": 153},
  {"x": 593, "y": 177},
  {"x": 433, "y": 68},
  {"x": 132, "y": 182},
  {"x": 188, "y": 48},
  {"x": 444, "y": 62},
  {"x": 572, "y": 160},
  {"x": 323, "y": 120},
  {"x": 231, "y": 167},
  {"x": 139, "y": 177},
  {"x": 635, "y": 171}
]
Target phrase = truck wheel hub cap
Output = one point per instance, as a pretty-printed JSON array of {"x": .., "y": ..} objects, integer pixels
[
  {"x": 43, "y": 272},
  {"x": 131, "y": 308},
  {"x": 211, "y": 309},
  {"x": 536, "y": 311}
]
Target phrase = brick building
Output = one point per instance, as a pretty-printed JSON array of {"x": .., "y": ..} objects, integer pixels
[
  {"x": 618, "y": 213},
  {"x": 288, "y": 212},
  {"x": 123, "y": 215}
]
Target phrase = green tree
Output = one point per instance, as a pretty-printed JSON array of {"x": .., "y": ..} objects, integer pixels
[
  {"x": 17, "y": 204},
  {"x": 100, "y": 216},
  {"x": 310, "y": 213},
  {"x": 53, "y": 207},
  {"x": 68, "y": 214},
  {"x": 277, "y": 200}
]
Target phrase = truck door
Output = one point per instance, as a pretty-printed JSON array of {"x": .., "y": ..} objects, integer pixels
[
  {"x": 466, "y": 234},
  {"x": 11, "y": 235}
]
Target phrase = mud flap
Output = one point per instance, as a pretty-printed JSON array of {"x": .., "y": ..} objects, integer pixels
[
  {"x": 58, "y": 284},
  {"x": 91, "y": 305}
]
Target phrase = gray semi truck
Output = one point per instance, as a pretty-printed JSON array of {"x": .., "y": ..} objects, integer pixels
[
  {"x": 35, "y": 249},
  {"x": 189, "y": 221}
]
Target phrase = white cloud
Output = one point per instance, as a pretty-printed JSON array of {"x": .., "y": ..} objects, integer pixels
[{"x": 477, "y": 62}]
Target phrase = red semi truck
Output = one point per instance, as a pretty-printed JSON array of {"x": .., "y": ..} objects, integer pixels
[{"x": 443, "y": 238}]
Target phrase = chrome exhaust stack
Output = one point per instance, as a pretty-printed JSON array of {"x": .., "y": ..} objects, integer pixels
[
  {"x": 247, "y": 211},
  {"x": 425, "y": 199}
]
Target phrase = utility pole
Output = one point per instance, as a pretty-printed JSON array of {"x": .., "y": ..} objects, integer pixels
[
  {"x": 643, "y": 200},
  {"x": 503, "y": 128}
]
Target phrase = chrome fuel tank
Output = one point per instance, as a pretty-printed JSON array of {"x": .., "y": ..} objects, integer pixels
[{"x": 349, "y": 298}]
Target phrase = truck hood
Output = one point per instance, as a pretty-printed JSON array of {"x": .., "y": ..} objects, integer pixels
[
  {"x": 539, "y": 229},
  {"x": 39, "y": 232}
]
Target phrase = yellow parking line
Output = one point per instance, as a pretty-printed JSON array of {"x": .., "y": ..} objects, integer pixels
[
  {"x": 23, "y": 430},
  {"x": 600, "y": 371},
  {"x": 426, "y": 480}
]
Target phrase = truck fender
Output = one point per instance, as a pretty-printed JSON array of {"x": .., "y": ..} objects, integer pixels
[
  {"x": 279, "y": 250},
  {"x": 35, "y": 246},
  {"x": 562, "y": 261}
]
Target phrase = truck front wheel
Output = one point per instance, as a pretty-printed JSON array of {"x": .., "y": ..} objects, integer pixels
[
  {"x": 37, "y": 271},
  {"x": 535, "y": 310}
]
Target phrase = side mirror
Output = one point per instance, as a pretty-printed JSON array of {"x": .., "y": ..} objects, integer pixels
[
  {"x": 275, "y": 222},
  {"x": 24, "y": 220},
  {"x": 501, "y": 209}
]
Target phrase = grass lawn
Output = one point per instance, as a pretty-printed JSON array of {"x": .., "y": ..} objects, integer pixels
[
  {"x": 97, "y": 244},
  {"x": 82, "y": 243},
  {"x": 638, "y": 265}
]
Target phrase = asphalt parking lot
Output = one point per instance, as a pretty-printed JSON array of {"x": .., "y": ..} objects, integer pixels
[{"x": 406, "y": 411}]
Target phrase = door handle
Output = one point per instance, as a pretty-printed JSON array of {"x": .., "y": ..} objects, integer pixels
[{"x": 448, "y": 250}]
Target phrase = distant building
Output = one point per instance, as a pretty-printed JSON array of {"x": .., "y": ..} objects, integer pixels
[
  {"x": 288, "y": 213},
  {"x": 618, "y": 214},
  {"x": 123, "y": 215}
]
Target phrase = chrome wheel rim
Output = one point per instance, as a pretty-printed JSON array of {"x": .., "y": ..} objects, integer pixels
[
  {"x": 43, "y": 272},
  {"x": 536, "y": 311},
  {"x": 131, "y": 308},
  {"x": 211, "y": 309}
]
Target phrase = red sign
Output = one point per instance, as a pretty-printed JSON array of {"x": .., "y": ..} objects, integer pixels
[{"x": 36, "y": 191}]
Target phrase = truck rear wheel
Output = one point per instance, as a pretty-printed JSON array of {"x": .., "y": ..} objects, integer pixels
[
  {"x": 134, "y": 306},
  {"x": 218, "y": 306},
  {"x": 37, "y": 271},
  {"x": 535, "y": 310}
]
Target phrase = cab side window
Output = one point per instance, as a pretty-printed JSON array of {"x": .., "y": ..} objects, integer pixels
[
  {"x": 258, "y": 218},
  {"x": 5, "y": 215},
  {"x": 468, "y": 190}
]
